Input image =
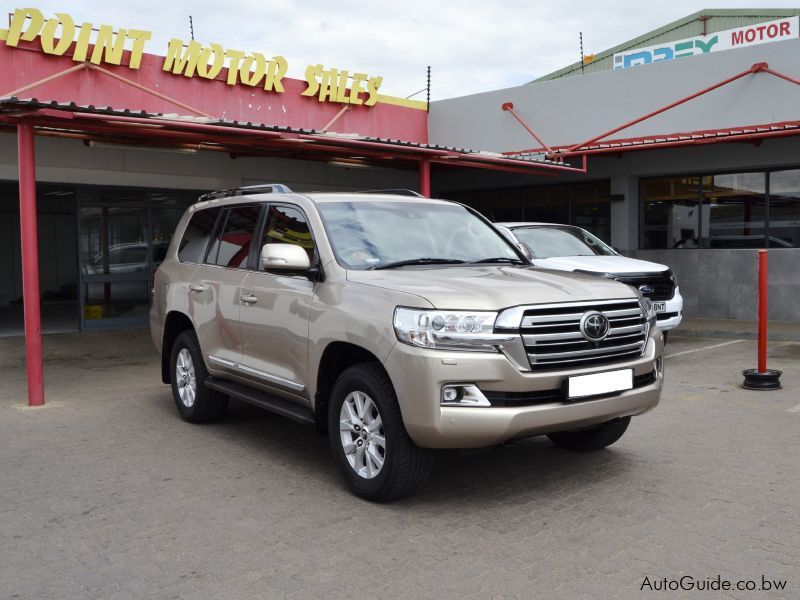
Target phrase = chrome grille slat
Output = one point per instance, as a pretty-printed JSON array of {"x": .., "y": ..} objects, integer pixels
[
  {"x": 552, "y": 338},
  {"x": 594, "y": 351},
  {"x": 535, "y": 338},
  {"x": 584, "y": 359}
]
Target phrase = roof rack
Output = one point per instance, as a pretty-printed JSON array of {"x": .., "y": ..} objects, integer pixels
[
  {"x": 265, "y": 188},
  {"x": 396, "y": 191}
]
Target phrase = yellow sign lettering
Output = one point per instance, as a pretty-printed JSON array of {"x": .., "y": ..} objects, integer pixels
[
  {"x": 312, "y": 73},
  {"x": 179, "y": 62},
  {"x": 138, "y": 37},
  {"x": 208, "y": 69},
  {"x": 82, "y": 45},
  {"x": 18, "y": 31},
  {"x": 49, "y": 44},
  {"x": 234, "y": 59},
  {"x": 276, "y": 69},
  {"x": 109, "y": 46},
  {"x": 373, "y": 84},
  {"x": 253, "y": 77}
]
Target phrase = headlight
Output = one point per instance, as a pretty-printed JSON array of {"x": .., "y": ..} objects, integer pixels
[
  {"x": 649, "y": 311},
  {"x": 448, "y": 329}
]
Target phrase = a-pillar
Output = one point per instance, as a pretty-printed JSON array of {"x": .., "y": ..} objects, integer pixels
[{"x": 30, "y": 263}]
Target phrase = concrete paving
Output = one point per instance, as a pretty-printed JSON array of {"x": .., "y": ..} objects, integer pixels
[{"x": 106, "y": 493}]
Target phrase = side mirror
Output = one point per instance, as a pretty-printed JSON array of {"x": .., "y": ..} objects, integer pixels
[
  {"x": 284, "y": 257},
  {"x": 525, "y": 251}
]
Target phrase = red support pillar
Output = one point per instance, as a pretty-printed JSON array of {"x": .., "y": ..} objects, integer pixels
[
  {"x": 425, "y": 177},
  {"x": 762, "y": 311},
  {"x": 30, "y": 263}
]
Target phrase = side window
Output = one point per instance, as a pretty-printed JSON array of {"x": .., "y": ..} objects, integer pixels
[
  {"x": 195, "y": 239},
  {"x": 287, "y": 225},
  {"x": 231, "y": 247}
]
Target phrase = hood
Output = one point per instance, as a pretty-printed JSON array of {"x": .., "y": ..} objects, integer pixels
[
  {"x": 600, "y": 264},
  {"x": 488, "y": 287}
]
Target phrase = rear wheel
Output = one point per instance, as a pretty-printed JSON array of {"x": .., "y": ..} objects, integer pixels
[
  {"x": 196, "y": 403},
  {"x": 376, "y": 457},
  {"x": 596, "y": 438}
]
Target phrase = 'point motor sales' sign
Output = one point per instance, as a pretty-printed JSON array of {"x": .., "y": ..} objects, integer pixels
[{"x": 751, "y": 35}]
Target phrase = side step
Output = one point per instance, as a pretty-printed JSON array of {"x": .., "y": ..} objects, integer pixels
[{"x": 274, "y": 404}]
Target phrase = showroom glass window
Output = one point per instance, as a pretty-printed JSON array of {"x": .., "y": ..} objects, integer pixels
[
  {"x": 784, "y": 209},
  {"x": 670, "y": 213},
  {"x": 723, "y": 210}
]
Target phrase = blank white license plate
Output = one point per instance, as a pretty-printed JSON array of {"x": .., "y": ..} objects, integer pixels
[
  {"x": 600, "y": 383},
  {"x": 660, "y": 307}
]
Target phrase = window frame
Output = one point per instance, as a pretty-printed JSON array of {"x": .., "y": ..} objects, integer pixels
[
  {"x": 702, "y": 201},
  {"x": 256, "y": 258},
  {"x": 220, "y": 225}
]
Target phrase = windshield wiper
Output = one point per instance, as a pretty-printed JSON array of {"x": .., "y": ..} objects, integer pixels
[
  {"x": 418, "y": 261},
  {"x": 499, "y": 259}
]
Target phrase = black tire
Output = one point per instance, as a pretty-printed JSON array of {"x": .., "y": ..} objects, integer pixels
[
  {"x": 406, "y": 466},
  {"x": 588, "y": 440},
  {"x": 208, "y": 405}
]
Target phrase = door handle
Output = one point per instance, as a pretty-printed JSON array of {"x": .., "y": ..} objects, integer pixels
[
  {"x": 197, "y": 287},
  {"x": 248, "y": 298}
]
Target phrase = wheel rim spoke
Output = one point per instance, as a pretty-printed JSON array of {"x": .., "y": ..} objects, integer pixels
[
  {"x": 185, "y": 378},
  {"x": 361, "y": 434}
]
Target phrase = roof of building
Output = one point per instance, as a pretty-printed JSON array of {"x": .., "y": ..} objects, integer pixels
[
  {"x": 691, "y": 25},
  {"x": 138, "y": 127}
]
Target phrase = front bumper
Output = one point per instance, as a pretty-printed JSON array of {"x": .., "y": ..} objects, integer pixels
[
  {"x": 673, "y": 315},
  {"x": 418, "y": 376}
]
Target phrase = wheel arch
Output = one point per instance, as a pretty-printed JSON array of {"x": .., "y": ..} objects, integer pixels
[
  {"x": 336, "y": 357},
  {"x": 175, "y": 324}
]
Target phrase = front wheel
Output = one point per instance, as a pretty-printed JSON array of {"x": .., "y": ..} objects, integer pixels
[
  {"x": 596, "y": 438},
  {"x": 375, "y": 454}
]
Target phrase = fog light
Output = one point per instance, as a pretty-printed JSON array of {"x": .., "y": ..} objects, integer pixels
[
  {"x": 463, "y": 395},
  {"x": 450, "y": 394},
  {"x": 660, "y": 366}
]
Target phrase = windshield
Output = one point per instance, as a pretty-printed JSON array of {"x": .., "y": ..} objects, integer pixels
[
  {"x": 547, "y": 242},
  {"x": 370, "y": 235}
]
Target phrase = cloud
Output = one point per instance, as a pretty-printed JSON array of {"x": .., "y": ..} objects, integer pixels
[{"x": 471, "y": 45}]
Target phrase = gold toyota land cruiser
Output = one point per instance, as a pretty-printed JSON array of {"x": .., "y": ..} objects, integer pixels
[{"x": 395, "y": 324}]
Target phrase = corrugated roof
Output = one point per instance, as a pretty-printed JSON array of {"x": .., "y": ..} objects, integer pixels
[
  {"x": 8, "y": 104},
  {"x": 691, "y": 25}
]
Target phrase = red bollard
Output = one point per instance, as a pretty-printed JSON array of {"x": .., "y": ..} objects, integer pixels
[{"x": 762, "y": 378}]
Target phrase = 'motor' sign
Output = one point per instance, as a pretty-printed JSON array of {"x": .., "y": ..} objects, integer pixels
[{"x": 751, "y": 35}]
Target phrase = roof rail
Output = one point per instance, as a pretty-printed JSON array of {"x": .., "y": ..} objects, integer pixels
[
  {"x": 265, "y": 188},
  {"x": 396, "y": 191}
]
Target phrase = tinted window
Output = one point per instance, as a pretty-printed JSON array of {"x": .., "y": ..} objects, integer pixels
[
  {"x": 231, "y": 247},
  {"x": 286, "y": 225},
  {"x": 195, "y": 239}
]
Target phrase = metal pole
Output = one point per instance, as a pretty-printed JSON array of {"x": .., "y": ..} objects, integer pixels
[
  {"x": 429, "y": 90},
  {"x": 762, "y": 311},
  {"x": 762, "y": 378},
  {"x": 425, "y": 177},
  {"x": 30, "y": 264}
]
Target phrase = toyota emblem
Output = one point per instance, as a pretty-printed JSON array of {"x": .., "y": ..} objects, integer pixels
[{"x": 594, "y": 326}]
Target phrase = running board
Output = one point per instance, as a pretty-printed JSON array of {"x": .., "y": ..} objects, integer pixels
[{"x": 274, "y": 404}]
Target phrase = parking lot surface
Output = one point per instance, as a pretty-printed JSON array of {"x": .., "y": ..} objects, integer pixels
[{"x": 106, "y": 493}]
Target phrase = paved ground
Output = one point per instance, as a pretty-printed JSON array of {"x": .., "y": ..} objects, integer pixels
[{"x": 105, "y": 493}]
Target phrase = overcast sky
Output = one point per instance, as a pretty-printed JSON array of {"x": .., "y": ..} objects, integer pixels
[{"x": 471, "y": 45}]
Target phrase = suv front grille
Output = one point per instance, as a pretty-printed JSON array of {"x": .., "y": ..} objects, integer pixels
[
  {"x": 553, "y": 340},
  {"x": 660, "y": 283}
]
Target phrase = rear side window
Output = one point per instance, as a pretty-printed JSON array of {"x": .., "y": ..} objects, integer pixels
[
  {"x": 193, "y": 245},
  {"x": 231, "y": 247}
]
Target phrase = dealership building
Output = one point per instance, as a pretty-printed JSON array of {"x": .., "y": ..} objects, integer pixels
[{"x": 678, "y": 147}]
